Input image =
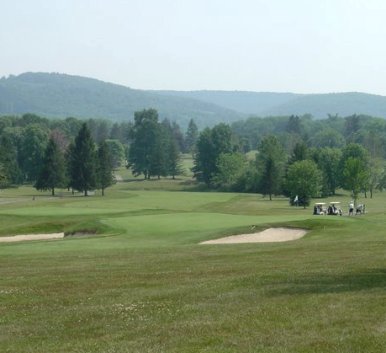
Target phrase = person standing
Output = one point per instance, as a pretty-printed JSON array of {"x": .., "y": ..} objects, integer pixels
[{"x": 351, "y": 208}]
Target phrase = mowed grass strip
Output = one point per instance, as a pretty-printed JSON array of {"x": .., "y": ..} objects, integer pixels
[{"x": 148, "y": 286}]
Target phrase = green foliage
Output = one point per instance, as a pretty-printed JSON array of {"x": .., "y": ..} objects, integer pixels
[
  {"x": 191, "y": 136},
  {"x": 352, "y": 150},
  {"x": 33, "y": 143},
  {"x": 105, "y": 175},
  {"x": 299, "y": 153},
  {"x": 355, "y": 176},
  {"x": 328, "y": 137},
  {"x": 230, "y": 168},
  {"x": 210, "y": 145},
  {"x": 375, "y": 173},
  {"x": 304, "y": 180},
  {"x": 328, "y": 160},
  {"x": 52, "y": 173},
  {"x": 82, "y": 162},
  {"x": 270, "y": 166},
  {"x": 117, "y": 152},
  {"x": 146, "y": 140},
  {"x": 3, "y": 177},
  {"x": 9, "y": 160}
]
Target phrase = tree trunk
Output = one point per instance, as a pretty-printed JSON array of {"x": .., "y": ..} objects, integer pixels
[
  {"x": 85, "y": 193},
  {"x": 103, "y": 192},
  {"x": 53, "y": 192}
]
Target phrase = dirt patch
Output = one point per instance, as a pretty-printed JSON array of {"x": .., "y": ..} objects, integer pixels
[
  {"x": 24, "y": 237},
  {"x": 270, "y": 235}
]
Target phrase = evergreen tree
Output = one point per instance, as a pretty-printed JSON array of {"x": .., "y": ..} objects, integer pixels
[
  {"x": 299, "y": 153},
  {"x": 178, "y": 136},
  {"x": 191, "y": 136},
  {"x": 173, "y": 162},
  {"x": 82, "y": 161},
  {"x": 270, "y": 166},
  {"x": 171, "y": 142},
  {"x": 105, "y": 167},
  {"x": 52, "y": 173}
]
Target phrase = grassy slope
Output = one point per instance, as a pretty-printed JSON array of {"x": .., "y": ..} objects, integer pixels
[{"x": 145, "y": 285}]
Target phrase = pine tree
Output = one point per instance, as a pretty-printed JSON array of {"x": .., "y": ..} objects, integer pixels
[
  {"x": 270, "y": 166},
  {"x": 105, "y": 167},
  {"x": 191, "y": 136},
  {"x": 82, "y": 161},
  {"x": 52, "y": 173}
]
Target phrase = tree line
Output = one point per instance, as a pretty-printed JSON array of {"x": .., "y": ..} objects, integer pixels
[
  {"x": 48, "y": 153},
  {"x": 294, "y": 156},
  {"x": 291, "y": 156}
]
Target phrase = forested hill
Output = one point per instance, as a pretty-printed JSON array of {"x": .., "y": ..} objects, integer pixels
[
  {"x": 60, "y": 95},
  {"x": 279, "y": 104},
  {"x": 251, "y": 103}
]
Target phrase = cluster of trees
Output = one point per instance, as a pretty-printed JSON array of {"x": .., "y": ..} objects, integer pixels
[
  {"x": 82, "y": 167},
  {"x": 277, "y": 155},
  {"x": 30, "y": 145},
  {"x": 156, "y": 147},
  {"x": 23, "y": 142},
  {"x": 291, "y": 161}
]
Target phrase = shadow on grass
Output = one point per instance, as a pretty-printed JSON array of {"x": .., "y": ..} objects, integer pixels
[{"x": 322, "y": 284}]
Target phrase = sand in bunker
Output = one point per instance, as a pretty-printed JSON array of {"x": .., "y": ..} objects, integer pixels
[
  {"x": 24, "y": 237},
  {"x": 270, "y": 235}
]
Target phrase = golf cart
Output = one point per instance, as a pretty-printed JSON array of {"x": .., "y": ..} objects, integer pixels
[
  {"x": 320, "y": 209},
  {"x": 334, "y": 209}
]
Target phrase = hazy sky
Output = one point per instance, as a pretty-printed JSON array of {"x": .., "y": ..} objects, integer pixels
[{"x": 305, "y": 46}]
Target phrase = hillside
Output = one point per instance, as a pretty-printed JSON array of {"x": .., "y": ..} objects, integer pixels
[
  {"x": 343, "y": 104},
  {"x": 250, "y": 103},
  {"x": 278, "y": 104},
  {"x": 60, "y": 95}
]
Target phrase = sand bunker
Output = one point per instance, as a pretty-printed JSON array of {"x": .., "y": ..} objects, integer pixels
[
  {"x": 24, "y": 237},
  {"x": 270, "y": 235}
]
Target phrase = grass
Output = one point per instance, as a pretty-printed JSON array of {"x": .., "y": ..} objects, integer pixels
[{"x": 143, "y": 284}]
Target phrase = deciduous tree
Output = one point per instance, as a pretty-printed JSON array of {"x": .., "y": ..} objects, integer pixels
[
  {"x": 210, "y": 145},
  {"x": 304, "y": 180},
  {"x": 145, "y": 142}
]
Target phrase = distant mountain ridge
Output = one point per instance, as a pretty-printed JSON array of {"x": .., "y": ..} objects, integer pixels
[
  {"x": 246, "y": 102},
  {"x": 60, "y": 95},
  {"x": 278, "y": 104}
]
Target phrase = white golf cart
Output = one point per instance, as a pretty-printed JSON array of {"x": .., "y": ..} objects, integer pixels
[
  {"x": 334, "y": 209},
  {"x": 320, "y": 209}
]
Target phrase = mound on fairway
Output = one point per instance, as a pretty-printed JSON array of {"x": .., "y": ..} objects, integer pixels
[
  {"x": 24, "y": 237},
  {"x": 270, "y": 235}
]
